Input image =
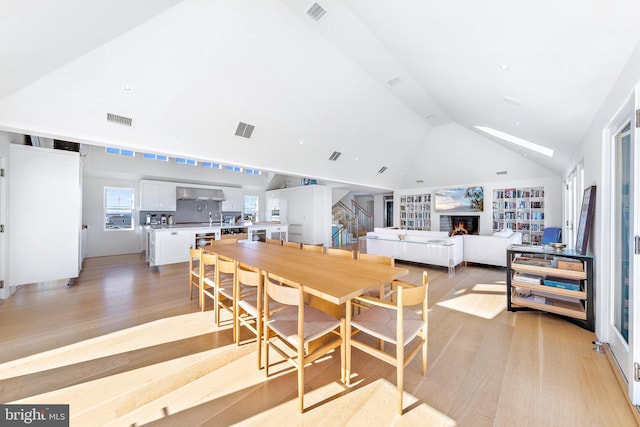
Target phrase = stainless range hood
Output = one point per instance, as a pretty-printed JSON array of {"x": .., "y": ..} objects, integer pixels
[{"x": 192, "y": 193}]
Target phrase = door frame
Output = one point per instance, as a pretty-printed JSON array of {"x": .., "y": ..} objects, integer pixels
[{"x": 606, "y": 253}]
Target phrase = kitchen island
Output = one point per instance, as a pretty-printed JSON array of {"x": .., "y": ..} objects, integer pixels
[{"x": 169, "y": 244}]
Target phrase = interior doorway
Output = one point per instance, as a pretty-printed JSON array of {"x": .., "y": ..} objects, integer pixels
[{"x": 388, "y": 210}]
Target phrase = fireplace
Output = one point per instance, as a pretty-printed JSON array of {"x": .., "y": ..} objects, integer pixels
[{"x": 460, "y": 224}]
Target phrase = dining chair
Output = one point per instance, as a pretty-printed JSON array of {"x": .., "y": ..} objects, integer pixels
[
  {"x": 274, "y": 242},
  {"x": 383, "y": 292},
  {"x": 249, "y": 292},
  {"x": 291, "y": 244},
  {"x": 224, "y": 288},
  {"x": 208, "y": 274},
  {"x": 344, "y": 253},
  {"x": 313, "y": 248},
  {"x": 195, "y": 273},
  {"x": 294, "y": 325},
  {"x": 395, "y": 323},
  {"x": 223, "y": 242}
]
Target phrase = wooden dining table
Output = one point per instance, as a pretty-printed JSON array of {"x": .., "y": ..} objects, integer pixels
[{"x": 335, "y": 280}]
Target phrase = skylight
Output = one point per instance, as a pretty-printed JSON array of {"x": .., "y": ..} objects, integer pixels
[{"x": 515, "y": 140}]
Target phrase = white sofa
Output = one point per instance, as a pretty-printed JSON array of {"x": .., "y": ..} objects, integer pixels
[
  {"x": 423, "y": 247},
  {"x": 491, "y": 250},
  {"x": 426, "y": 247}
]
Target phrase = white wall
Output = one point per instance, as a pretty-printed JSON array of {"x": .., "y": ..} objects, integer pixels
[
  {"x": 454, "y": 154},
  {"x": 552, "y": 201},
  {"x": 99, "y": 241},
  {"x": 591, "y": 151}
]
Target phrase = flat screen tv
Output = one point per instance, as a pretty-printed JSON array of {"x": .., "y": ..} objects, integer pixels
[{"x": 469, "y": 199}]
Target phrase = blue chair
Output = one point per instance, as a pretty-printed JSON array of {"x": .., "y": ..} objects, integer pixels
[{"x": 551, "y": 235}]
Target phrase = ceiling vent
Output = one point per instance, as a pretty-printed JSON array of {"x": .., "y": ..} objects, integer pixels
[
  {"x": 382, "y": 169},
  {"x": 419, "y": 181},
  {"x": 119, "y": 120},
  {"x": 393, "y": 81},
  {"x": 245, "y": 130},
  {"x": 316, "y": 12},
  {"x": 501, "y": 173},
  {"x": 334, "y": 156}
]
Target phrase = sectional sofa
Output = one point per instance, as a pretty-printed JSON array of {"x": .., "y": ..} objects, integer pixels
[{"x": 438, "y": 248}]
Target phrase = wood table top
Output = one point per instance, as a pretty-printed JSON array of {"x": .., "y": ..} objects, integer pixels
[{"x": 334, "y": 279}]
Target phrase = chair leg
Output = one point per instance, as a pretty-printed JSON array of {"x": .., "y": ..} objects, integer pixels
[
  {"x": 300, "y": 362},
  {"x": 259, "y": 340},
  {"x": 400, "y": 373},
  {"x": 347, "y": 349},
  {"x": 424, "y": 354},
  {"x": 343, "y": 349}
]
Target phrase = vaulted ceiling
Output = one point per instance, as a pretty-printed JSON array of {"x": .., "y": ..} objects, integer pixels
[{"x": 387, "y": 84}]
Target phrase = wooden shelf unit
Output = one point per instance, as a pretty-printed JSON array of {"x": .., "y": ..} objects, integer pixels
[
  {"x": 520, "y": 209},
  {"x": 577, "y": 306},
  {"x": 415, "y": 212}
]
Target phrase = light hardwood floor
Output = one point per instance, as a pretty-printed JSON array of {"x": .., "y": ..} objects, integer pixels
[{"x": 125, "y": 346}]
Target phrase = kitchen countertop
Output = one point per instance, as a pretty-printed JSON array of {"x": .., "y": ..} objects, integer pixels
[{"x": 205, "y": 225}]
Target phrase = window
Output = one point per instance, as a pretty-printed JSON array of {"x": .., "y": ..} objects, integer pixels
[
  {"x": 118, "y": 208},
  {"x": 121, "y": 151},
  {"x": 155, "y": 156},
  {"x": 186, "y": 161},
  {"x": 250, "y": 208},
  {"x": 234, "y": 168},
  {"x": 254, "y": 171},
  {"x": 212, "y": 165}
]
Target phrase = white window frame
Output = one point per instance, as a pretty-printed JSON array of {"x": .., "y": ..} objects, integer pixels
[{"x": 109, "y": 210}]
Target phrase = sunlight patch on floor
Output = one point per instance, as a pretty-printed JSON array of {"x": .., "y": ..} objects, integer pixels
[
  {"x": 482, "y": 300},
  {"x": 153, "y": 333}
]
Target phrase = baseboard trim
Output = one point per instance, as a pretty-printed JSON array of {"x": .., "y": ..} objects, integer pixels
[{"x": 621, "y": 381}]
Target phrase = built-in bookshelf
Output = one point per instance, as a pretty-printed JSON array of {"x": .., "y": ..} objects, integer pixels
[
  {"x": 539, "y": 278},
  {"x": 520, "y": 209},
  {"x": 415, "y": 212}
]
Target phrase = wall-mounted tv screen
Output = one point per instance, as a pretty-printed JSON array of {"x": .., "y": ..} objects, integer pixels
[{"x": 470, "y": 199}]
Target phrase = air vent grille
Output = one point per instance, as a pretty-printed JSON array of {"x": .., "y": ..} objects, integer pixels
[
  {"x": 382, "y": 169},
  {"x": 316, "y": 12},
  {"x": 245, "y": 130},
  {"x": 393, "y": 81},
  {"x": 501, "y": 173},
  {"x": 119, "y": 120},
  {"x": 334, "y": 156},
  {"x": 419, "y": 181}
]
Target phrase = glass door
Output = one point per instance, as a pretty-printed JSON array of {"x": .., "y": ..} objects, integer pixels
[{"x": 623, "y": 229}]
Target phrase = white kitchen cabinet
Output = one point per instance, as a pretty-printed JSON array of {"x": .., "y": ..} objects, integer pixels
[
  {"x": 157, "y": 196},
  {"x": 233, "y": 200},
  {"x": 169, "y": 246},
  {"x": 44, "y": 214}
]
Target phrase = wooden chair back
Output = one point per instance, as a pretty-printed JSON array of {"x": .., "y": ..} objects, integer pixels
[
  {"x": 195, "y": 273},
  {"x": 291, "y": 244},
  {"x": 313, "y": 248},
  {"x": 274, "y": 242},
  {"x": 344, "y": 253},
  {"x": 379, "y": 259}
]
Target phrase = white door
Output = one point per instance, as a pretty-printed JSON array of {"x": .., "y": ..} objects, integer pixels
[
  {"x": 4, "y": 291},
  {"x": 623, "y": 271}
]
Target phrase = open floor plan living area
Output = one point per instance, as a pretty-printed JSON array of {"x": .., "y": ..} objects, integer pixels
[{"x": 319, "y": 212}]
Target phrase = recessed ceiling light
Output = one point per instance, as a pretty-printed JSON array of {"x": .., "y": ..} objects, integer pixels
[
  {"x": 301, "y": 142},
  {"x": 126, "y": 87},
  {"x": 515, "y": 140},
  {"x": 517, "y": 123},
  {"x": 334, "y": 156},
  {"x": 504, "y": 67}
]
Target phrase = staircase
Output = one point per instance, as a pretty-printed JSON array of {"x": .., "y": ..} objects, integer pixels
[{"x": 353, "y": 222}]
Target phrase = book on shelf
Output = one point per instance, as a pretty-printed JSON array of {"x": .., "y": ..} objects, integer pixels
[
  {"x": 569, "y": 264},
  {"x": 530, "y": 278},
  {"x": 562, "y": 283},
  {"x": 527, "y": 295},
  {"x": 538, "y": 262}
]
